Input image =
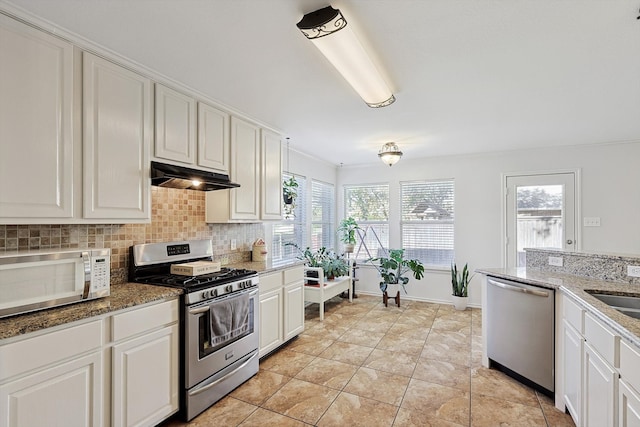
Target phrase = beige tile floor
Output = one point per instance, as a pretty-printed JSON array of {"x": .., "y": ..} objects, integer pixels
[{"x": 370, "y": 365}]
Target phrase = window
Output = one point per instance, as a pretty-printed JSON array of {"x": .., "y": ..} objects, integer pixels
[
  {"x": 369, "y": 206},
  {"x": 322, "y": 215},
  {"x": 291, "y": 229},
  {"x": 427, "y": 221}
]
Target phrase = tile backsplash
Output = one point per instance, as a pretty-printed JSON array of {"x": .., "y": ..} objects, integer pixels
[{"x": 175, "y": 215}]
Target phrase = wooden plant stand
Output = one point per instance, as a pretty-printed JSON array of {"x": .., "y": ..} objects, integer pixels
[{"x": 385, "y": 298}]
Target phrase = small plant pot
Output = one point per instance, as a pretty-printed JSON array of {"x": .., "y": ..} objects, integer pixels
[
  {"x": 348, "y": 248},
  {"x": 287, "y": 199},
  {"x": 459, "y": 303}
]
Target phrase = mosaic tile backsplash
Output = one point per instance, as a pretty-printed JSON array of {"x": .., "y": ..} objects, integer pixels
[{"x": 175, "y": 215}]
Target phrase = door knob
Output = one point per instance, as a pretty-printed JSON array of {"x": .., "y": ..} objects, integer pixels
[{"x": 569, "y": 242}]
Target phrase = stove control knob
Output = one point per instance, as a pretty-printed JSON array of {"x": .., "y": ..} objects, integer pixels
[
  {"x": 229, "y": 288},
  {"x": 214, "y": 293},
  {"x": 205, "y": 294}
]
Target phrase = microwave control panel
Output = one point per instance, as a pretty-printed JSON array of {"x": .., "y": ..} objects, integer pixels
[{"x": 100, "y": 273}]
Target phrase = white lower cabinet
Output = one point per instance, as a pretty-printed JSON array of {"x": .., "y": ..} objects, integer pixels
[
  {"x": 600, "y": 390},
  {"x": 145, "y": 377},
  {"x": 76, "y": 377},
  {"x": 629, "y": 404},
  {"x": 271, "y": 331},
  {"x": 572, "y": 371},
  {"x": 281, "y": 307},
  {"x": 67, "y": 394}
]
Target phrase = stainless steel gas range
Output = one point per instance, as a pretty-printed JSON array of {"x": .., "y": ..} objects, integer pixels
[{"x": 219, "y": 320}]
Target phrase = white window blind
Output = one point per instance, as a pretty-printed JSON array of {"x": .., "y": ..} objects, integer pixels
[
  {"x": 369, "y": 206},
  {"x": 290, "y": 230},
  {"x": 428, "y": 221},
  {"x": 323, "y": 203}
]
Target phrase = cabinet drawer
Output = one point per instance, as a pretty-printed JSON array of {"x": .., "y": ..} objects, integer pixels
[
  {"x": 629, "y": 363},
  {"x": 143, "y": 319},
  {"x": 573, "y": 314},
  {"x": 43, "y": 350},
  {"x": 602, "y": 339},
  {"x": 293, "y": 274},
  {"x": 269, "y": 282}
]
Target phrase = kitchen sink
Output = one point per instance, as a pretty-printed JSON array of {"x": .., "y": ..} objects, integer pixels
[{"x": 625, "y": 304}]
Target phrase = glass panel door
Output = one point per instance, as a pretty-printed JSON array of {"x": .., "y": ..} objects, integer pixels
[{"x": 540, "y": 214}]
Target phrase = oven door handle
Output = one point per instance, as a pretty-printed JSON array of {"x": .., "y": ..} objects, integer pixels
[
  {"x": 199, "y": 310},
  {"x": 216, "y": 382}
]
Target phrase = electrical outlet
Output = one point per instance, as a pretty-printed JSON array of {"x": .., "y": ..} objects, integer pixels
[
  {"x": 633, "y": 270},
  {"x": 233, "y": 244},
  {"x": 591, "y": 221},
  {"x": 555, "y": 260}
]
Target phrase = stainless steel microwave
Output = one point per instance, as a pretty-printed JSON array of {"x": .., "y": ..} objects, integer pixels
[{"x": 48, "y": 278}]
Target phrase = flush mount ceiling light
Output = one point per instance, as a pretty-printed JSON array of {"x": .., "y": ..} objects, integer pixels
[
  {"x": 328, "y": 30},
  {"x": 390, "y": 153}
]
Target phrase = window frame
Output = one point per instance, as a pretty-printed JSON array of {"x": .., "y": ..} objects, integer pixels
[{"x": 428, "y": 263}]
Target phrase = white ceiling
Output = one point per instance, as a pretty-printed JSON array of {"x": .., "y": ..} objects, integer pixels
[{"x": 469, "y": 75}]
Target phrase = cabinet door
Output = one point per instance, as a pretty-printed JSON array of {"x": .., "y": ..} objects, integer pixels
[
  {"x": 293, "y": 309},
  {"x": 69, "y": 394},
  {"x": 175, "y": 125},
  {"x": 271, "y": 322},
  {"x": 213, "y": 138},
  {"x": 572, "y": 370},
  {"x": 145, "y": 378},
  {"x": 271, "y": 184},
  {"x": 245, "y": 170},
  {"x": 629, "y": 406},
  {"x": 36, "y": 141},
  {"x": 117, "y": 140},
  {"x": 600, "y": 390}
]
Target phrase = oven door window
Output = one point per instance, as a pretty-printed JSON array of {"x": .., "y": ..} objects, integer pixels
[{"x": 207, "y": 345}]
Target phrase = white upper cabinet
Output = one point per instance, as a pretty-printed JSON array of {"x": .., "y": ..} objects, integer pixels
[
  {"x": 245, "y": 169},
  {"x": 257, "y": 166},
  {"x": 271, "y": 168},
  {"x": 118, "y": 126},
  {"x": 213, "y": 138},
  {"x": 36, "y": 135},
  {"x": 175, "y": 125}
]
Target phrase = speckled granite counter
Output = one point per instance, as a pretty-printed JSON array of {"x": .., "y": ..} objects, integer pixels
[
  {"x": 122, "y": 296},
  {"x": 576, "y": 287}
]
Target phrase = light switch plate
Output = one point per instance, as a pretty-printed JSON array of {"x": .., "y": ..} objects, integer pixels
[
  {"x": 591, "y": 221},
  {"x": 555, "y": 260},
  {"x": 233, "y": 244},
  {"x": 633, "y": 270}
]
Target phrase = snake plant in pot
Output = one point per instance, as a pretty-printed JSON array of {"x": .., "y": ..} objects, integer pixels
[{"x": 460, "y": 286}]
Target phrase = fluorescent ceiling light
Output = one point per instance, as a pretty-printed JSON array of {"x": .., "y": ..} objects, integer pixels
[{"x": 328, "y": 30}]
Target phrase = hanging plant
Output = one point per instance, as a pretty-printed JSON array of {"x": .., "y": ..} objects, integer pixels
[{"x": 289, "y": 195}]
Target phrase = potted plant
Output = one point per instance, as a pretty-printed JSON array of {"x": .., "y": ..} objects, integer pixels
[
  {"x": 347, "y": 233},
  {"x": 460, "y": 286},
  {"x": 289, "y": 195},
  {"x": 392, "y": 270},
  {"x": 332, "y": 264}
]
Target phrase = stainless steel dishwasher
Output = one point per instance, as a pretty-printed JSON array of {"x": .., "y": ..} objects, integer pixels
[{"x": 520, "y": 331}]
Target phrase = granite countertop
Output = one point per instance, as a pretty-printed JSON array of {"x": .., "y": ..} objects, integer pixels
[
  {"x": 576, "y": 288},
  {"x": 122, "y": 296}
]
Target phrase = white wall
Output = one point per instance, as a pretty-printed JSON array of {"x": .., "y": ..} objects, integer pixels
[{"x": 610, "y": 189}]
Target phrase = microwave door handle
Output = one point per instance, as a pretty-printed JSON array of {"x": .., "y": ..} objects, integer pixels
[{"x": 87, "y": 274}]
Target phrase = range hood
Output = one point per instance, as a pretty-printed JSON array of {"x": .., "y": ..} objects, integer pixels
[{"x": 172, "y": 176}]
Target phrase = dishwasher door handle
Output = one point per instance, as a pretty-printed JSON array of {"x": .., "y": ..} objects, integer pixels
[{"x": 518, "y": 289}]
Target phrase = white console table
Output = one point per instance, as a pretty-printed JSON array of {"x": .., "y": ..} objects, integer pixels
[{"x": 318, "y": 289}]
